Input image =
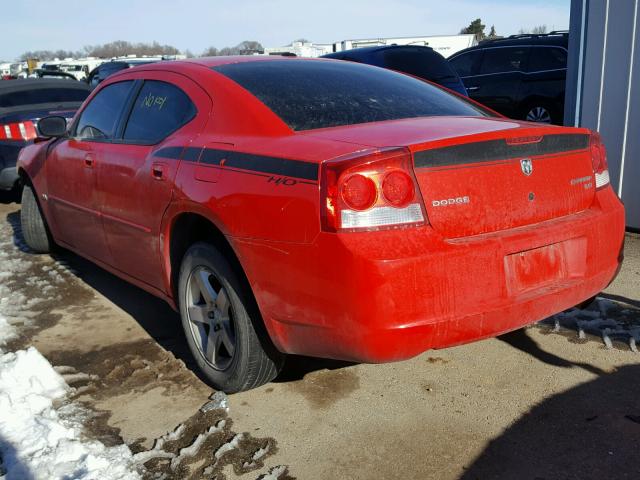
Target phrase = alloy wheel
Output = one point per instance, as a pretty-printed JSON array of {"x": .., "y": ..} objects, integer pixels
[
  {"x": 211, "y": 318},
  {"x": 539, "y": 114}
]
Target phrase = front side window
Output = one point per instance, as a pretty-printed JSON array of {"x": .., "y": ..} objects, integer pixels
[
  {"x": 464, "y": 64},
  {"x": 503, "y": 60},
  {"x": 99, "y": 119},
  {"x": 547, "y": 58},
  {"x": 159, "y": 110}
]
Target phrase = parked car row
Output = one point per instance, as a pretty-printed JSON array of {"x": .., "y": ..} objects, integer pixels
[
  {"x": 521, "y": 76},
  {"x": 322, "y": 207}
]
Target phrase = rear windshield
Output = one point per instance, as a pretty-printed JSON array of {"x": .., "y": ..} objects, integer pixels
[
  {"x": 309, "y": 94},
  {"x": 42, "y": 95}
]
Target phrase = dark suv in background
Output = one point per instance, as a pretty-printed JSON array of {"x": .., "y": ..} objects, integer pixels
[
  {"x": 419, "y": 61},
  {"x": 521, "y": 76}
]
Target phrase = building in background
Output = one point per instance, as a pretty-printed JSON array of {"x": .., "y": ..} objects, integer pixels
[
  {"x": 301, "y": 49},
  {"x": 603, "y": 88},
  {"x": 445, "y": 45}
]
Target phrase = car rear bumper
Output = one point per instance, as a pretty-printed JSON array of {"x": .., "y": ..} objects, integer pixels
[{"x": 390, "y": 295}]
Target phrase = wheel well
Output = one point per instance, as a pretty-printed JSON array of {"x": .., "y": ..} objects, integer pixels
[{"x": 190, "y": 228}]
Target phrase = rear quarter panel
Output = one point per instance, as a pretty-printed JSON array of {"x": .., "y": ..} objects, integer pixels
[{"x": 258, "y": 187}]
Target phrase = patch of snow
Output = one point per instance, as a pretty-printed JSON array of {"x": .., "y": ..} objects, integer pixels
[
  {"x": 219, "y": 400},
  {"x": 36, "y": 440},
  {"x": 7, "y": 332},
  {"x": 274, "y": 473},
  {"x": 193, "y": 449},
  {"x": 257, "y": 455},
  {"x": 261, "y": 452},
  {"x": 227, "y": 447}
]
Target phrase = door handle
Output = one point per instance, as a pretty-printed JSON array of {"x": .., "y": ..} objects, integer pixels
[
  {"x": 472, "y": 89},
  {"x": 88, "y": 160},
  {"x": 158, "y": 171}
]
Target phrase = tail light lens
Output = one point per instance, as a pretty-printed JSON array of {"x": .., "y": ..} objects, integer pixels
[
  {"x": 370, "y": 190},
  {"x": 599, "y": 160},
  {"x": 19, "y": 131}
]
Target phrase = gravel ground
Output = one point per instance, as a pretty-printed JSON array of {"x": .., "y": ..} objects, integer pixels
[{"x": 556, "y": 400}]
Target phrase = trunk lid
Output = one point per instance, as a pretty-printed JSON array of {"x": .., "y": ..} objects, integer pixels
[{"x": 482, "y": 175}]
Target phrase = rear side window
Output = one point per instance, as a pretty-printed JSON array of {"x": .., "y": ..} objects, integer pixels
[
  {"x": 99, "y": 119},
  {"x": 159, "y": 110},
  {"x": 547, "y": 58},
  {"x": 465, "y": 64},
  {"x": 309, "y": 94},
  {"x": 42, "y": 95},
  {"x": 502, "y": 60},
  {"x": 419, "y": 62}
]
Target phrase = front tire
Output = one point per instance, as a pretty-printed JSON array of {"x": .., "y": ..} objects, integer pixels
[
  {"x": 34, "y": 226},
  {"x": 221, "y": 323}
]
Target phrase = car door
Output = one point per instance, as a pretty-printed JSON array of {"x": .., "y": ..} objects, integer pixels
[
  {"x": 71, "y": 172},
  {"x": 466, "y": 66},
  {"x": 498, "y": 81},
  {"x": 136, "y": 175}
]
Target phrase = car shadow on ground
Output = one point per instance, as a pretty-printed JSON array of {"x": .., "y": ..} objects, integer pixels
[
  {"x": 591, "y": 431},
  {"x": 521, "y": 340},
  {"x": 154, "y": 315},
  {"x": 621, "y": 299}
]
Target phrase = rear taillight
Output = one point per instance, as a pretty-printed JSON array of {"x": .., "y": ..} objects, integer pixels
[
  {"x": 599, "y": 160},
  {"x": 19, "y": 131},
  {"x": 370, "y": 190}
]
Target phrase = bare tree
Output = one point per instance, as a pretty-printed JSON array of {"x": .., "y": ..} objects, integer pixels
[
  {"x": 211, "y": 52},
  {"x": 247, "y": 47},
  {"x": 121, "y": 48},
  {"x": 49, "y": 54},
  {"x": 538, "y": 30}
]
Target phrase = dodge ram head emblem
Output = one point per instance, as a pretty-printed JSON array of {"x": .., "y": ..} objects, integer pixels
[{"x": 527, "y": 166}]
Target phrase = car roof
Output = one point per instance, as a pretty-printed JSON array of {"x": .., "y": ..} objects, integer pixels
[
  {"x": 8, "y": 86},
  {"x": 559, "y": 39},
  {"x": 210, "y": 62},
  {"x": 375, "y": 48}
]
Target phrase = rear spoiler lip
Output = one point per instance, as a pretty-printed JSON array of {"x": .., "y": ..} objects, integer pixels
[{"x": 494, "y": 150}]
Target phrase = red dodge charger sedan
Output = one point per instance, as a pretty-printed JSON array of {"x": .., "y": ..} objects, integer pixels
[{"x": 323, "y": 208}]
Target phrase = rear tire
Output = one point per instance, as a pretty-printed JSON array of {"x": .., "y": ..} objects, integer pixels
[
  {"x": 34, "y": 227},
  {"x": 222, "y": 324}
]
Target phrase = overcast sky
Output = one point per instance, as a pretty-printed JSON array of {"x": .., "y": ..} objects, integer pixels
[{"x": 197, "y": 24}]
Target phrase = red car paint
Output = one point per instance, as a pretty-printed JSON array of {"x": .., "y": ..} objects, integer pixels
[{"x": 518, "y": 249}]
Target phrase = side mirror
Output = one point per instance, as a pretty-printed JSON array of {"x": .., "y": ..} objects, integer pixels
[{"x": 53, "y": 126}]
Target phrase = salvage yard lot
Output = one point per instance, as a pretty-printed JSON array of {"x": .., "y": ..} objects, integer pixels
[{"x": 551, "y": 401}]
